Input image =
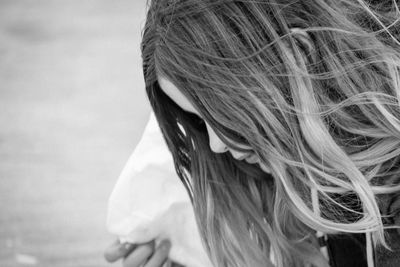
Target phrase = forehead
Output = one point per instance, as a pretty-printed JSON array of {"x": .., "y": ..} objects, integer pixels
[{"x": 173, "y": 92}]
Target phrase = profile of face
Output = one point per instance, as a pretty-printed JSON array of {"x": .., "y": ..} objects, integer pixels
[{"x": 215, "y": 143}]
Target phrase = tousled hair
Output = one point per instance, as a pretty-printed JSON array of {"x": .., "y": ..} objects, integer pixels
[{"x": 313, "y": 87}]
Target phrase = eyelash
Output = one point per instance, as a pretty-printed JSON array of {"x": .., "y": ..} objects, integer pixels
[
  {"x": 195, "y": 120},
  {"x": 200, "y": 122}
]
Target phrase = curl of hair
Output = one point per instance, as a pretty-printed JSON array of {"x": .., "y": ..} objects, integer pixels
[{"x": 313, "y": 87}]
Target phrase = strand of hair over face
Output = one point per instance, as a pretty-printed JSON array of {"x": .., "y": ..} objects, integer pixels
[{"x": 313, "y": 87}]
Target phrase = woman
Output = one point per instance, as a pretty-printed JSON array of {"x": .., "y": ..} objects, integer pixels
[{"x": 283, "y": 118}]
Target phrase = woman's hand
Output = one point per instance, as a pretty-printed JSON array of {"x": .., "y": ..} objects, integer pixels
[{"x": 140, "y": 255}]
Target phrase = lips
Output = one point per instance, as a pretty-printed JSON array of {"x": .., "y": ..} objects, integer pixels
[
  {"x": 249, "y": 157},
  {"x": 243, "y": 157}
]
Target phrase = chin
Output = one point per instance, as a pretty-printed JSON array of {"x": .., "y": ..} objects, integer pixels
[{"x": 264, "y": 168}]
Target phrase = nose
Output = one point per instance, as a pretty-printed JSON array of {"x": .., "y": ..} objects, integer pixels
[{"x": 216, "y": 144}]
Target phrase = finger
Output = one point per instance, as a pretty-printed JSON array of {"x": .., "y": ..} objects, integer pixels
[
  {"x": 139, "y": 255},
  {"x": 160, "y": 255},
  {"x": 117, "y": 250},
  {"x": 167, "y": 263}
]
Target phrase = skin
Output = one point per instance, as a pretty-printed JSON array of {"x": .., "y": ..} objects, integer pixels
[
  {"x": 215, "y": 143},
  {"x": 140, "y": 255},
  {"x": 147, "y": 255}
]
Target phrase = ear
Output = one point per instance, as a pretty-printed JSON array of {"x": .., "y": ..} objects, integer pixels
[{"x": 305, "y": 43}]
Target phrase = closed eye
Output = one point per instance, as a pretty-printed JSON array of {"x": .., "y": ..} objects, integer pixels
[{"x": 194, "y": 118}]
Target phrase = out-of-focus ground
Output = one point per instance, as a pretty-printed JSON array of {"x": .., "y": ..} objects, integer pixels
[{"x": 72, "y": 107}]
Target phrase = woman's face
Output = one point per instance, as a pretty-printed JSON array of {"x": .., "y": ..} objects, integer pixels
[{"x": 216, "y": 144}]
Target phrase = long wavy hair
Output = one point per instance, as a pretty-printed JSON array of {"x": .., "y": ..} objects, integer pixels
[{"x": 311, "y": 87}]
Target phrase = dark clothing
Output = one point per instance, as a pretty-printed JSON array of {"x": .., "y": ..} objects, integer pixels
[
  {"x": 349, "y": 251},
  {"x": 387, "y": 258}
]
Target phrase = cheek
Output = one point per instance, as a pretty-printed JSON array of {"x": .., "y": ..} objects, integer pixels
[
  {"x": 212, "y": 135},
  {"x": 216, "y": 144}
]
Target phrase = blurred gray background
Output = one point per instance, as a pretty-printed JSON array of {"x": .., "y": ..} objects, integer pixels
[{"x": 72, "y": 107}]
